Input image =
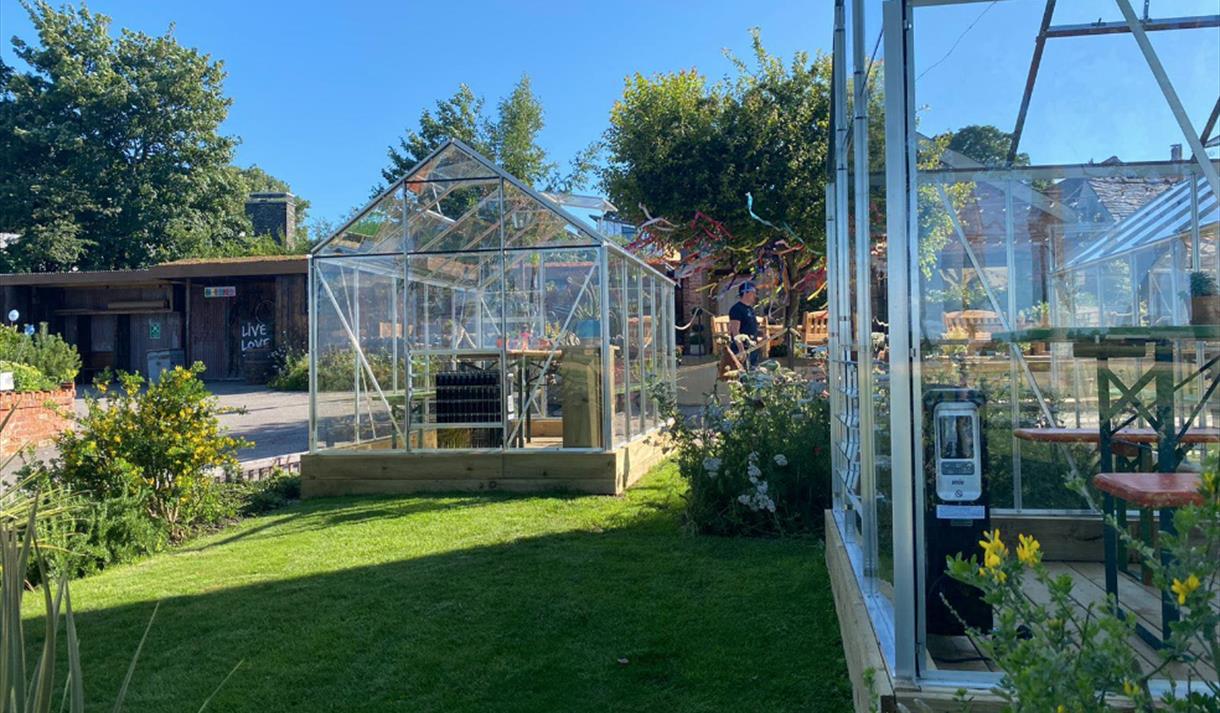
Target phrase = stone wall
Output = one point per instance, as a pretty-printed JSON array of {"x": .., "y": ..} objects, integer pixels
[{"x": 39, "y": 417}]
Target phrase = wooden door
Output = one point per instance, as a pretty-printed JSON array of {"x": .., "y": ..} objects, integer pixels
[{"x": 210, "y": 334}]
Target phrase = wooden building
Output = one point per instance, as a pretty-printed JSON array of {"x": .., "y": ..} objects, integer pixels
[{"x": 229, "y": 313}]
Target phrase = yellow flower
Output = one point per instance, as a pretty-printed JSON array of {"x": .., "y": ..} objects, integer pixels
[
  {"x": 1029, "y": 551},
  {"x": 1184, "y": 589},
  {"x": 1210, "y": 481},
  {"x": 1061, "y": 709},
  {"x": 1131, "y": 690}
]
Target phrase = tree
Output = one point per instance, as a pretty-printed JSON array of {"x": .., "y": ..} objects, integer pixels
[
  {"x": 693, "y": 151},
  {"x": 511, "y": 140},
  {"x": 110, "y": 147},
  {"x": 985, "y": 144}
]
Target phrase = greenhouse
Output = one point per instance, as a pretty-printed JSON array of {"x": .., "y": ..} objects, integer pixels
[
  {"x": 1024, "y": 329},
  {"x": 466, "y": 333}
]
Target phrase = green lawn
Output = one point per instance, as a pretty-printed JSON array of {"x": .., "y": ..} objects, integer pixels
[{"x": 463, "y": 603}]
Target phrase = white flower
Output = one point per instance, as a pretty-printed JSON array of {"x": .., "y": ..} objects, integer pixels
[
  {"x": 712, "y": 466},
  {"x": 781, "y": 460},
  {"x": 753, "y": 471},
  {"x": 743, "y": 499},
  {"x": 762, "y": 487}
]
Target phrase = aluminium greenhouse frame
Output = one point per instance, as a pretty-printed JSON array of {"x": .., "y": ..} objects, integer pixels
[
  {"x": 468, "y": 333},
  {"x": 863, "y": 386}
]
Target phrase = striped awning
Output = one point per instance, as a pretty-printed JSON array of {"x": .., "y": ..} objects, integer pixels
[{"x": 1162, "y": 219}]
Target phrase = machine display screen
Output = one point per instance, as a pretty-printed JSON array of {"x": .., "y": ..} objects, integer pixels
[{"x": 956, "y": 436}]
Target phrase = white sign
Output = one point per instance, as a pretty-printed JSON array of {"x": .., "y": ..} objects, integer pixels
[
  {"x": 223, "y": 291},
  {"x": 255, "y": 335},
  {"x": 959, "y": 512}
]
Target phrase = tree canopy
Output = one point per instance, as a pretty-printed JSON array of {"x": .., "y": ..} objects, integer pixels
[
  {"x": 511, "y": 139},
  {"x": 985, "y": 144},
  {"x": 111, "y": 148},
  {"x": 692, "y": 151}
]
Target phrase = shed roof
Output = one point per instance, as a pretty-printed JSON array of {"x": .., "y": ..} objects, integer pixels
[{"x": 200, "y": 268}]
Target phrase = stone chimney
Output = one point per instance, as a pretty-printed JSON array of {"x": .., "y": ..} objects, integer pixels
[
  {"x": 273, "y": 214},
  {"x": 1175, "y": 152}
]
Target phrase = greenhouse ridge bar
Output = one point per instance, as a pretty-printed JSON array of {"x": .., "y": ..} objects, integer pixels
[
  {"x": 466, "y": 333},
  {"x": 1018, "y": 302}
]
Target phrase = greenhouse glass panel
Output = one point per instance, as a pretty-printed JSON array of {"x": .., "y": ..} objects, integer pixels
[
  {"x": 359, "y": 369},
  {"x": 452, "y": 162},
  {"x": 453, "y": 216},
  {"x": 379, "y": 229},
  {"x": 617, "y": 315},
  {"x": 528, "y": 223}
]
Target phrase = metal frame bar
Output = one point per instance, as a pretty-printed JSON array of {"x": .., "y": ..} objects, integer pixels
[
  {"x": 899, "y": 189},
  {"x": 1034, "y": 64},
  {"x": 1171, "y": 95},
  {"x": 1148, "y": 25}
]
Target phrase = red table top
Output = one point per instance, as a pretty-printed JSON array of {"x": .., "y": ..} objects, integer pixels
[
  {"x": 1129, "y": 435},
  {"x": 1151, "y": 490}
]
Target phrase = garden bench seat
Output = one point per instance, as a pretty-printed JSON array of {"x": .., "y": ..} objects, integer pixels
[
  {"x": 1128, "y": 435},
  {"x": 1155, "y": 491}
]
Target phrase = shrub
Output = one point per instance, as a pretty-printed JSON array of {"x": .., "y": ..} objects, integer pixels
[
  {"x": 160, "y": 444},
  {"x": 290, "y": 370},
  {"x": 48, "y": 353},
  {"x": 1057, "y": 655},
  {"x": 758, "y": 466},
  {"x": 255, "y": 497},
  {"x": 27, "y": 378}
]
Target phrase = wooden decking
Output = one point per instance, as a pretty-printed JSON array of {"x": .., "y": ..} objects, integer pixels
[{"x": 958, "y": 653}]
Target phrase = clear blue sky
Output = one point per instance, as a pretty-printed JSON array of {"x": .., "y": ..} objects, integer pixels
[{"x": 320, "y": 89}]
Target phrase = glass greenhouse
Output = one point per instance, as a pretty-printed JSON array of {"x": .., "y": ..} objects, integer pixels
[
  {"x": 464, "y": 314},
  {"x": 1023, "y": 248}
]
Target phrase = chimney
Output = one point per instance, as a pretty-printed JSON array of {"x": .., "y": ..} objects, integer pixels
[
  {"x": 273, "y": 214},
  {"x": 1175, "y": 152}
]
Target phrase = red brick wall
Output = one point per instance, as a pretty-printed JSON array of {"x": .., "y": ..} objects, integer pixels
[{"x": 40, "y": 415}]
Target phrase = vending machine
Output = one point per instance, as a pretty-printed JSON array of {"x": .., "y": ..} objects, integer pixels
[{"x": 958, "y": 504}]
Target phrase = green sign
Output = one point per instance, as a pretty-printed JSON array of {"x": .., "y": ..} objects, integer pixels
[{"x": 154, "y": 330}]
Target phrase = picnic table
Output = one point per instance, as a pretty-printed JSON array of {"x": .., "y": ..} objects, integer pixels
[{"x": 1163, "y": 490}]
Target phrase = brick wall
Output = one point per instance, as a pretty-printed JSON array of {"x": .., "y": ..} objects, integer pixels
[{"x": 40, "y": 415}]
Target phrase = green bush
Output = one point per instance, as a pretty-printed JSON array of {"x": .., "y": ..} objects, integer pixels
[
  {"x": 161, "y": 444},
  {"x": 246, "y": 498},
  {"x": 290, "y": 370},
  {"x": 27, "y": 378},
  {"x": 54, "y": 358},
  {"x": 89, "y": 535},
  {"x": 760, "y": 465}
]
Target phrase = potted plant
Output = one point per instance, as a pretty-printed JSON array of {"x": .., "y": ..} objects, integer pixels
[{"x": 1204, "y": 299}]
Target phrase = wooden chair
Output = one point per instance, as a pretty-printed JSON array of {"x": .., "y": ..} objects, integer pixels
[
  {"x": 720, "y": 333},
  {"x": 817, "y": 328},
  {"x": 976, "y": 324}
]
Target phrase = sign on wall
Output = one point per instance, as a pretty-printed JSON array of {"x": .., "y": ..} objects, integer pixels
[
  {"x": 154, "y": 329},
  {"x": 220, "y": 291},
  {"x": 255, "y": 335}
]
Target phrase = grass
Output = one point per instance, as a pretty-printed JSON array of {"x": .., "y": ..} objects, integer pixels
[{"x": 459, "y": 603}]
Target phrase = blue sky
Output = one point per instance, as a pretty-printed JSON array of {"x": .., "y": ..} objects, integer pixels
[{"x": 320, "y": 89}]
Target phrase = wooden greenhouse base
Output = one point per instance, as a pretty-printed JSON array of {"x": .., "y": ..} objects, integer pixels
[{"x": 369, "y": 471}]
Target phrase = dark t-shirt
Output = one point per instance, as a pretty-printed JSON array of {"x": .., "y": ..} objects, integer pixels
[{"x": 744, "y": 314}]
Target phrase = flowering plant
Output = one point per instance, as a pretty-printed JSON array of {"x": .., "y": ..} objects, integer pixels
[
  {"x": 757, "y": 464},
  {"x": 1060, "y": 654},
  {"x": 159, "y": 444}
]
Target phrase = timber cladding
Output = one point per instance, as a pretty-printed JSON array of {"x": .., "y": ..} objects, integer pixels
[{"x": 384, "y": 472}]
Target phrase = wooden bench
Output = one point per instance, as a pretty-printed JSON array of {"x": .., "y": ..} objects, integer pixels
[
  {"x": 1127, "y": 435},
  {"x": 1160, "y": 492},
  {"x": 976, "y": 324},
  {"x": 817, "y": 328}
]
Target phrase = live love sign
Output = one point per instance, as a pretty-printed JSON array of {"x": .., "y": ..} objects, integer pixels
[{"x": 255, "y": 335}]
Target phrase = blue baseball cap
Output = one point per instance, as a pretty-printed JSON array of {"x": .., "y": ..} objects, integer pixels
[{"x": 746, "y": 286}]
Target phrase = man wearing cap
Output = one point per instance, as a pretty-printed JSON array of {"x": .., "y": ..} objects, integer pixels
[{"x": 742, "y": 322}]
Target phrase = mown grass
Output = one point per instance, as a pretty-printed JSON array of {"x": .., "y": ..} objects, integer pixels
[{"x": 488, "y": 603}]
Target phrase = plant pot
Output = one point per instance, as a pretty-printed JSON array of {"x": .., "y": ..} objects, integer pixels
[{"x": 1205, "y": 309}]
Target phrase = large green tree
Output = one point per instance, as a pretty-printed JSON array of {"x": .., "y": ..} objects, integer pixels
[
  {"x": 110, "y": 148},
  {"x": 691, "y": 151},
  {"x": 510, "y": 138}
]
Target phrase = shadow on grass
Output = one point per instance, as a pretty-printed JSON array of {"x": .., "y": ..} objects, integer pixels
[{"x": 636, "y": 617}]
